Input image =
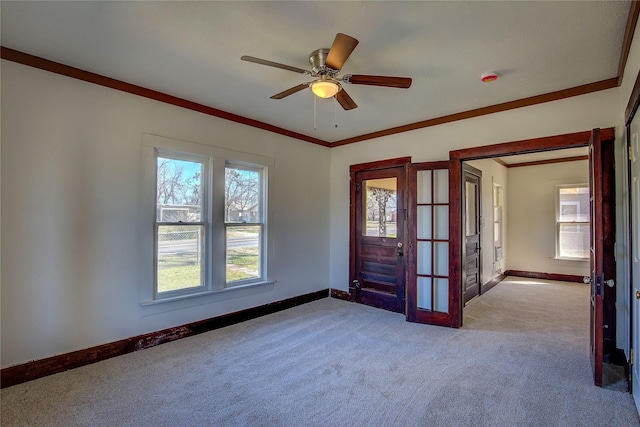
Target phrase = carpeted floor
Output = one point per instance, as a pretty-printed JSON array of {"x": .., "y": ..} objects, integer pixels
[{"x": 522, "y": 359}]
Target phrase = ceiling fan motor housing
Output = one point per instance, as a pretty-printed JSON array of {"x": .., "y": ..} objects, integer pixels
[{"x": 317, "y": 59}]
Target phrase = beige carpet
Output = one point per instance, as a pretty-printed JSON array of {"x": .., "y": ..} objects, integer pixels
[{"x": 521, "y": 359}]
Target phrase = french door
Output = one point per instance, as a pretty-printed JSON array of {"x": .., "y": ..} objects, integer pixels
[{"x": 431, "y": 297}]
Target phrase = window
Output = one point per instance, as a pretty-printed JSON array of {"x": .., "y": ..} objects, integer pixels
[
  {"x": 210, "y": 219},
  {"x": 244, "y": 223},
  {"x": 572, "y": 223},
  {"x": 497, "y": 221},
  {"x": 381, "y": 215},
  {"x": 181, "y": 226}
]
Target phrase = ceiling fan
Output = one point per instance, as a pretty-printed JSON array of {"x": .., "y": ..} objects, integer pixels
[{"x": 325, "y": 68}]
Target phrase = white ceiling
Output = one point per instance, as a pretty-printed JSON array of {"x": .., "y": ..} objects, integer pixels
[{"x": 192, "y": 50}]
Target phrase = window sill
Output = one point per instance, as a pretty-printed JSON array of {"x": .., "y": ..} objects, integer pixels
[
  {"x": 224, "y": 291},
  {"x": 571, "y": 259}
]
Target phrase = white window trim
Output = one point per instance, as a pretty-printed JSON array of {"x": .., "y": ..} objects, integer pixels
[
  {"x": 216, "y": 286},
  {"x": 558, "y": 222}
]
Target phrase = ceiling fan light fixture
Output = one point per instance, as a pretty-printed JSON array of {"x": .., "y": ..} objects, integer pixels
[{"x": 324, "y": 88}]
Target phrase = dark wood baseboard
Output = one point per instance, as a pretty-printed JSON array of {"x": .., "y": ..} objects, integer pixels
[
  {"x": 338, "y": 294},
  {"x": 491, "y": 283},
  {"x": 545, "y": 276},
  {"x": 52, "y": 365}
]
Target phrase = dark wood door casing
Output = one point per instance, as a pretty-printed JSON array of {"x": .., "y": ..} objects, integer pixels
[{"x": 457, "y": 157}]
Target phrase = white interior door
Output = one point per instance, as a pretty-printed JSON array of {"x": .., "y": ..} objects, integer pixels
[{"x": 634, "y": 157}]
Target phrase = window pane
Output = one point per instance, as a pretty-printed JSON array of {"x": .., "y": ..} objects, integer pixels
[
  {"x": 424, "y": 186},
  {"x": 381, "y": 214},
  {"x": 441, "y": 222},
  {"x": 424, "y": 258},
  {"x": 424, "y": 293},
  {"x": 243, "y": 252},
  {"x": 179, "y": 190},
  {"x": 574, "y": 204},
  {"x": 179, "y": 257},
  {"x": 441, "y": 295},
  {"x": 242, "y": 195},
  {"x": 424, "y": 222},
  {"x": 574, "y": 240},
  {"x": 441, "y": 258},
  {"x": 441, "y": 186},
  {"x": 471, "y": 203}
]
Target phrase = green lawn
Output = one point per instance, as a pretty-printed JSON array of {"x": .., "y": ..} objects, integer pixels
[
  {"x": 183, "y": 271},
  {"x": 242, "y": 263}
]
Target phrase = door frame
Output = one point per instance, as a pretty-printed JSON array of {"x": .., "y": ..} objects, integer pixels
[
  {"x": 353, "y": 194},
  {"x": 457, "y": 157}
]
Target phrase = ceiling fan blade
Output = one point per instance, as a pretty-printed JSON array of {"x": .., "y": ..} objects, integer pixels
[
  {"x": 345, "y": 100},
  {"x": 388, "y": 81},
  {"x": 273, "y": 64},
  {"x": 290, "y": 91},
  {"x": 340, "y": 50}
]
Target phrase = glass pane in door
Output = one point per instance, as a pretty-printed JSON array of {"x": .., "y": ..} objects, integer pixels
[
  {"x": 470, "y": 199},
  {"x": 380, "y": 199},
  {"x": 424, "y": 293},
  {"x": 432, "y": 235}
]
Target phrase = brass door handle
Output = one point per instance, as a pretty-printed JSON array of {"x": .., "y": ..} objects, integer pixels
[{"x": 637, "y": 294}]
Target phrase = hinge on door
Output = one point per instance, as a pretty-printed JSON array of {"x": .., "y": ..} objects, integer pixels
[
  {"x": 631, "y": 153},
  {"x": 631, "y": 361},
  {"x": 357, "y": 188}
]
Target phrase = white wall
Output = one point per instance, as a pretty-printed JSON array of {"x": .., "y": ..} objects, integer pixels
[
  {"x": 492, "y": 172},
  {"x": 72, "y": 256},
  {"x": 599, "y": 109},
  {"x": 532, "y": 214}
]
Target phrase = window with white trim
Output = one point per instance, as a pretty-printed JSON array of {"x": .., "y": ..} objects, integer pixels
[
  {"x": 182, "y": 225},
  {"x": 210, "y": 219},
  {"x": 572, "y": 222},
  {"x": 244, "y": 223},
  {"x": 497, "y": 221}
]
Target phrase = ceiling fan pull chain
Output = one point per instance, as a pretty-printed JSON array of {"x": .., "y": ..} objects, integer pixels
[
  {"x": 335, "y": 112},
  {"x": 314, "y": 113}
]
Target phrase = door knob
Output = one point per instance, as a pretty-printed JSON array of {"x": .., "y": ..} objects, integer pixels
[{"x": 637, "y": 294}]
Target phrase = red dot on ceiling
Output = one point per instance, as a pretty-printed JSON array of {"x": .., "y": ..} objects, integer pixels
[{"x": 488, "y": 78}]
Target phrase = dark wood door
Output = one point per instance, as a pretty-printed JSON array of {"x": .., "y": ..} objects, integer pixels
[
  {"x": 596, "y": 256},
  {"x": 378, "y": 227},
  {"x": 602, "y": 253},
  {"x": 471, "y": 251}
]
